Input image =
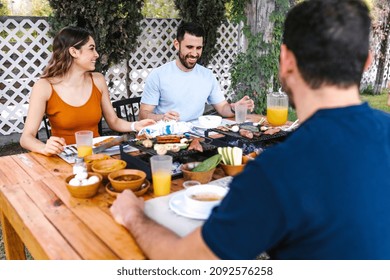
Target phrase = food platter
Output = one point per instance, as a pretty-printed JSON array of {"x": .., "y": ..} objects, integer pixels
[
  {"x": 207, "y": 146},
  {"x": 196, "y": 124},
  {"x": 260, "y": 137}
]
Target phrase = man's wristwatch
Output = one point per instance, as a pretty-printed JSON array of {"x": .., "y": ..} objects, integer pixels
[{"x": 232, "y": 108}]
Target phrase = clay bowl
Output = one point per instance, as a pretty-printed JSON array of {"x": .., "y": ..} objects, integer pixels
[
  {"x": 202, "y": 177},
  {"x": 85, "y": 191},
  {"x": 232, "y": 170},
  {"x": 106, "y": 166},
  {"x": 138, "y": 192},
  {"x": 91, "y": 159},
  {"x": 126, "y": 179}
]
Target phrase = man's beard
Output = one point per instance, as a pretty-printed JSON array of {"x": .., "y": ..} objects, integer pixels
[
  {"x": 288, "y": 91},
  {"x": 183, "y": 60}
]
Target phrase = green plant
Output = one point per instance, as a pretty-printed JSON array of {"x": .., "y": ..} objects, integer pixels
[
  {"x": 4, "y": 10},
  {"x": 159, "y": 9},
  {"x": 116, "y": 26},
  {"x": 41, "y": 8},
  {"x": 255, "y": 71},
  {"x": 208, "y": 13}
]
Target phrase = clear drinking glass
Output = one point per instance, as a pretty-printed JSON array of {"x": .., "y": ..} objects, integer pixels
[
  {"x": 240, "y": 112},
  {"x": 84, "y": 139},
  {"x": 161, "y": 166}
]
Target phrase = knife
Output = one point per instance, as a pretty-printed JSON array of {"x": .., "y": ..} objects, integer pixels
[{"x": 114, "y": 142}]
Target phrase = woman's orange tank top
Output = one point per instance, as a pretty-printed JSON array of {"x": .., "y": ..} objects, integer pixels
[{"x": 66, "y": 119}]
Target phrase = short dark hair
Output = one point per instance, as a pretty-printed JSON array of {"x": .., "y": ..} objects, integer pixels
[
  {"x": 191, "y": 28},
  {"x": 330, "y": 40}
]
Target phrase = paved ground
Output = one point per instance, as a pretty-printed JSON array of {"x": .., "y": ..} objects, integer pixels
[{"x": 11, "y": 149}]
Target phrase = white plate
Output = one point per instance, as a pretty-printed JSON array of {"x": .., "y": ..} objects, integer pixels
[
  {"x": 178, "y": 205},
  {"x": 101, "y": 138},
  {"x": 196, "y": 124}
]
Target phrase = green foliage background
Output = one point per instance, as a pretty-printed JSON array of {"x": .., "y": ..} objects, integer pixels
[
  {"x": 115, "y": 26},
  {"x": 255, "y": 72},
  {"x": 160, "y": 9},
  {"x": 4, "y": 10},
  {"x": 208, "y": 13}
]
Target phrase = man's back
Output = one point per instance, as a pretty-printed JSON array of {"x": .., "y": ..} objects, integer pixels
[{"x": 331, "y": 200}]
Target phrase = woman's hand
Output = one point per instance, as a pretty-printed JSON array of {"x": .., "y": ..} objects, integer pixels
[
  {"x": 54, "y": 145},
  {"x": 141, "y": 124}
]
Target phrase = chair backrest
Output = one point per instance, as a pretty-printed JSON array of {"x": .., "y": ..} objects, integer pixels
[
  {"x": 127, "y": 108},
  {"x": 46, "y": 124}
]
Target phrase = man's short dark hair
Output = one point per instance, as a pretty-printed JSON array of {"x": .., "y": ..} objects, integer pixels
[
  {"x": 330, "y": 40},
  {"x": 191, "y": 28}
]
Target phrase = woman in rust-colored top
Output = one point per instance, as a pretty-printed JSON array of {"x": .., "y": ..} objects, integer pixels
[{"x": 71, "y": 95}]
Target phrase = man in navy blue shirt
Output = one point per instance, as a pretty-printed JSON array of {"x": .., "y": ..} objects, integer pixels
[{"x": 323, "y": 193}]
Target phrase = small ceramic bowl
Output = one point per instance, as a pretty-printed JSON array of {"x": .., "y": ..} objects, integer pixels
[
  {"x": 202, "y": 177},
  {"x": 203, "y": 198},
  {"x": 210, "y": 121},
  {"x": 232, "y": 170},
  {"x": 91, "y": 159},
  {"x": 106, "y": 166},
  {"x": 190, "y": 183},
  {"x": 85, "y": 191},
  {"x": 138, "y": 192},
  {"x": 126, "y": 179}
]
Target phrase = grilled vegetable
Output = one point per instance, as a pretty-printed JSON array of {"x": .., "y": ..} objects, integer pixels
[
  {"x": 249, "y": 127},
  {"x": 231, "y": 156},
  {"x": 208, "y": 164}
]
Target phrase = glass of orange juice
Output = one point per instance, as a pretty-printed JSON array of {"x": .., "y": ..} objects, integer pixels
[
  {"x": 277, "y": 108},
  {"x": 161, "y": 166},
  {"x": 84, "y": 139}
]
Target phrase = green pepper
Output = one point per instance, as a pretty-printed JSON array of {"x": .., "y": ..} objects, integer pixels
[{"x": 208, "y": 164}]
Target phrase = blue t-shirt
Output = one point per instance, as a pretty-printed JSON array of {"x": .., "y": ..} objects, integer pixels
[
  {"x": 323, "y": 193},
  {"x": 169, "y": 88}
]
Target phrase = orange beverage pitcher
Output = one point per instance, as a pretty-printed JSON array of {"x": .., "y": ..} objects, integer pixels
[{"x": 277, "y": 108}]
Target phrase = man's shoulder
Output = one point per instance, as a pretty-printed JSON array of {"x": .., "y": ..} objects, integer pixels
[
  {"x": 162, "y": 69},
  {"x": 202, "y": 68},
  {"x": 164, "y": 66}
]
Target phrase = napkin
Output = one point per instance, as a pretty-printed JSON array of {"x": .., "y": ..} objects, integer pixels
[{"x": 158, "y": 210}]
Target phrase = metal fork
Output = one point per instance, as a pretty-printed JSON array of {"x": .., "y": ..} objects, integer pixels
[{"x": 70, "y": 151}]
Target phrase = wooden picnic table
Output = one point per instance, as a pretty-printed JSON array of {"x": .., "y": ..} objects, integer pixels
[{"x": 38, "y": 212}]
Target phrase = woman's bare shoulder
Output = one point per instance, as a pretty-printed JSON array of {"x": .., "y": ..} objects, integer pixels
[
  {"x": 43, "y": 87},
  {"x": 99, "y": 80},
  {"x": 98, "y": 76}
]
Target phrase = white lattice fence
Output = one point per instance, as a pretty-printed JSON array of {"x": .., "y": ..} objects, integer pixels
[
  {"x": 25, "y": 50},
  {"x": 370, "y": 75}
]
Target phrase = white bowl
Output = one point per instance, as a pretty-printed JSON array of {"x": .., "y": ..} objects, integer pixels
[
  {"x": 210, "y": 121},
  {"x": 203, "y": 198}
]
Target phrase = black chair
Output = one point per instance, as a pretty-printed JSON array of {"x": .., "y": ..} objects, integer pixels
[
  {"x": 46, "y": 124},
  {"x": 127, "y": 108}
]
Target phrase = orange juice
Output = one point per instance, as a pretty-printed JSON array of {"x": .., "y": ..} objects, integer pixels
[
  {"x": 161, "y": 183},
  {"x": 277, "y": 115},
  {"x": 83, "y": 151}
]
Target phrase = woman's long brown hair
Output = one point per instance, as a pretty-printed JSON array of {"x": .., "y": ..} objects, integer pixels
[{"x": 61, "y": 60}]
